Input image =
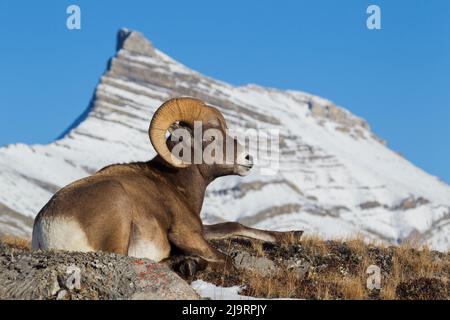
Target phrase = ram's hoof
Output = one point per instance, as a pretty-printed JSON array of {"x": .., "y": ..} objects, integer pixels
[{"x": 188, "y": 267}]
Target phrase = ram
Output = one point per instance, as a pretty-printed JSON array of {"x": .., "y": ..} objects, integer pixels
[{"x": 150, "y": 209}]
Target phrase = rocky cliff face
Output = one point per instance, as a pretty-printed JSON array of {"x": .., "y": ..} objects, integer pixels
[{"x": 335, "y": 176}]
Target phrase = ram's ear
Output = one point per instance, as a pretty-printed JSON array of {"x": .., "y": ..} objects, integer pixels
[
  {"x": 173, "y": 127},
  {"x": 179, "y": 125},
  {"x": 180, "y": 141}
]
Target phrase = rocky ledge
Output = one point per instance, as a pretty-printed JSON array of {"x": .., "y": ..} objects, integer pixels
[
  {"x": 39, "y": 274},
  {"x": 313, "y": 269}
]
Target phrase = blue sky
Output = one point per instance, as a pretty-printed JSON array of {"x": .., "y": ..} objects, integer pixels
[{"x": 397, "y": 78}]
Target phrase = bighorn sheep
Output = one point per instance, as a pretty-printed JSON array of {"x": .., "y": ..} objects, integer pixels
[{"x": 145, "y": 209}]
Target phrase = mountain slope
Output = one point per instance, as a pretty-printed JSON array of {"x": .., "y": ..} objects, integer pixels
[{"x": 336, "y": 177}]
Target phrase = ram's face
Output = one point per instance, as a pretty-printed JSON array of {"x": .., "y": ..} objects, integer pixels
[{"x": 209, "y": 146}]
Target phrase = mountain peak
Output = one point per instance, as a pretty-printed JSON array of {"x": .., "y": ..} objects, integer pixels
[{"x": 134, "y": 41}]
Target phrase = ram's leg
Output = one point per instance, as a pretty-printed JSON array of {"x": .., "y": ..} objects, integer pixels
[
  {"x": 197, "y": 250},
  {"x": 234, "y": 229}
]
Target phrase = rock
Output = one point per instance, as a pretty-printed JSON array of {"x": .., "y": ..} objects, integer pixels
[
  {"x": 369, "y": 205},
  {"x": 337, "y": 115},
  {"x": 262, "y": 265},
  {"x": 300, "y": 267},
  {"x": 156, "y": 281},
  {"x": 411, "y": 203},
  {"x": 275, "y": 259},
  {"x": 93, "y": 275},
  {"x": 135, "y": 42}
]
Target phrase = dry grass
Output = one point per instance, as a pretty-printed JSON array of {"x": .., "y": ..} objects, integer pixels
[
  {"x": 410, "y": 263},
  {"x": 16, "y": 242},
  {"x": 257, "y": 246},
  {"x": 339, "y": 271},
  {"x": 315, "y": 243}
]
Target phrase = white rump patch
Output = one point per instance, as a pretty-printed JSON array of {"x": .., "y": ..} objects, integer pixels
[{"x": 61, "y": 234}]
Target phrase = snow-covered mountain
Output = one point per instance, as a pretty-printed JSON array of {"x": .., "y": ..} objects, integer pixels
[{"x": 336, "y": 177}]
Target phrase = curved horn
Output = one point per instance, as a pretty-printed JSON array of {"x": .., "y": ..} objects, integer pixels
[{"x": 187, "y": 110}]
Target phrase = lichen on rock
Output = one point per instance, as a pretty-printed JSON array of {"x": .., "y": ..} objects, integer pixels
[{"x": 93, "y": 275}]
